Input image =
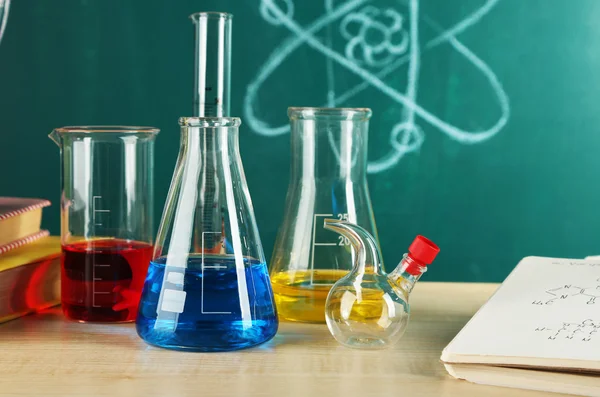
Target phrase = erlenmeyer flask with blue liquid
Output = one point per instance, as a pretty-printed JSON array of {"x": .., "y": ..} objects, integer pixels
[{"x": 208, "y": 287}]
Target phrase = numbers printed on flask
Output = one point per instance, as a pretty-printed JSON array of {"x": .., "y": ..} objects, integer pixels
[
  {"x": 343, "y": 241},
  {"x": 342, "y": 217}
]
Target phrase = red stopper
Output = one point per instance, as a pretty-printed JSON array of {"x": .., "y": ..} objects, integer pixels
[{"x": 423, "y": 250}]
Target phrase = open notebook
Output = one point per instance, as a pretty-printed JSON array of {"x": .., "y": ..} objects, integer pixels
[{"x": 540, "y": 330}]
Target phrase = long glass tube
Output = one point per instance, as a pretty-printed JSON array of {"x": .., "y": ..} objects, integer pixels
[{"x": 212, "y": 64}]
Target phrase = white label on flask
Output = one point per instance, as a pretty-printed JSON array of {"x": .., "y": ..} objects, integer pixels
[
  {"x": 173, "y": 301},
  {"x": 175, "y": 278}
]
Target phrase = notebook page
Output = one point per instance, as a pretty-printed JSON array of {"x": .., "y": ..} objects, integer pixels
[{"x": 546, "y": 308}]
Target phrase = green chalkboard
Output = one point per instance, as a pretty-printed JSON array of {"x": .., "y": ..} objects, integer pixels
[{"x": 485, "y": 129}]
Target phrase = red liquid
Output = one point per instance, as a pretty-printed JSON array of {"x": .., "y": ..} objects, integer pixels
[{"x": 102, "y": 280}]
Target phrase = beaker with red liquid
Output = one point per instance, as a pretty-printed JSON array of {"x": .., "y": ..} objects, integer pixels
[
  {"x": 106, "y": 219},
  {"x": 102, "y": 280}
]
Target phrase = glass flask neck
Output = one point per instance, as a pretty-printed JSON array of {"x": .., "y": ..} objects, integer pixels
[
  {"x": 205, "y": 140},
  {"x": 329, "y": 143},
  {"x": 407, "y": 273},
  {"x": 212, "y": 63},
  {"x": 210, "y": 134}
]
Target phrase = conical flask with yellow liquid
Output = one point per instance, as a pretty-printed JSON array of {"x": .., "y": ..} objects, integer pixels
[{"x": 328, "y": 180}]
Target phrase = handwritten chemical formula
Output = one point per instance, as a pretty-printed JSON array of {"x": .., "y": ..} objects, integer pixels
[
  {"x": 589, "y": 295},
  {"x": 583, "y": 331}
]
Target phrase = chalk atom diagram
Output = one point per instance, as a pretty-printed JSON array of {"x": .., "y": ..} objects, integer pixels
[
  {"x": 4, "y": 7},
  {"x": 396, "y": 44},
  {"x": 589, "y": 295},
  {"x": 583, "y": 331}
]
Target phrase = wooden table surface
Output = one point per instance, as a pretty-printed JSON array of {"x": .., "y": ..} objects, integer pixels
[{"x": 44, "y": 355}]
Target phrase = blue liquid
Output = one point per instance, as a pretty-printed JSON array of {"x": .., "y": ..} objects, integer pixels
[{"x": 212, "y": 317}]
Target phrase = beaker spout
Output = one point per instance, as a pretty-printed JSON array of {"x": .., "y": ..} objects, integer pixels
[
  {"x": 55, "y": 136},
  {"x": 369, "y": 257}
]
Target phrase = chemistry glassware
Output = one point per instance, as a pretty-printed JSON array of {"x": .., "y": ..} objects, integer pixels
[
  {"x": 212, "y": 63},
  {"x": 106, "y": 219},
  {"x": 208, "y": 287},
  {"x": 368, "y": 308},
  {"x": 328, "y": 180}
]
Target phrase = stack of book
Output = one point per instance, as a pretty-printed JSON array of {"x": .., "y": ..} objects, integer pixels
[{"x": 29, "y": 259}]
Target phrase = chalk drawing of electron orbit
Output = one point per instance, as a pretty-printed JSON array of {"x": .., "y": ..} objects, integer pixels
[
  {"x": 4, "y": 7},
  {"x": 372, "y": 63}
]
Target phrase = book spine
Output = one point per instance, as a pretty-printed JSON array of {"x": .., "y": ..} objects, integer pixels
[
  {"x": 25, "y": 240},
  {"x": 40, "y": 204}
]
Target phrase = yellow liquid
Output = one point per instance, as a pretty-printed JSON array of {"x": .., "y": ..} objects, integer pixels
[
  {"x": 299, "y": 299},
  {"x": 374, "y": 305}
]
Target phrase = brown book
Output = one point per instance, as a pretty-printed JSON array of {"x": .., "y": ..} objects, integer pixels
[{"x": 20, "y": 221}]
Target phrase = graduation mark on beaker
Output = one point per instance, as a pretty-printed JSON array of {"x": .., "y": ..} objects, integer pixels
[
  {"x": 95, "y": 281},
  {"x": 98, "y": 280},
  {"x": 96, "y": 211},
  {"x": 374, "y": 62},
  {"x": 340, "y": 242},
  {"x": 211, "y": 267}
]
